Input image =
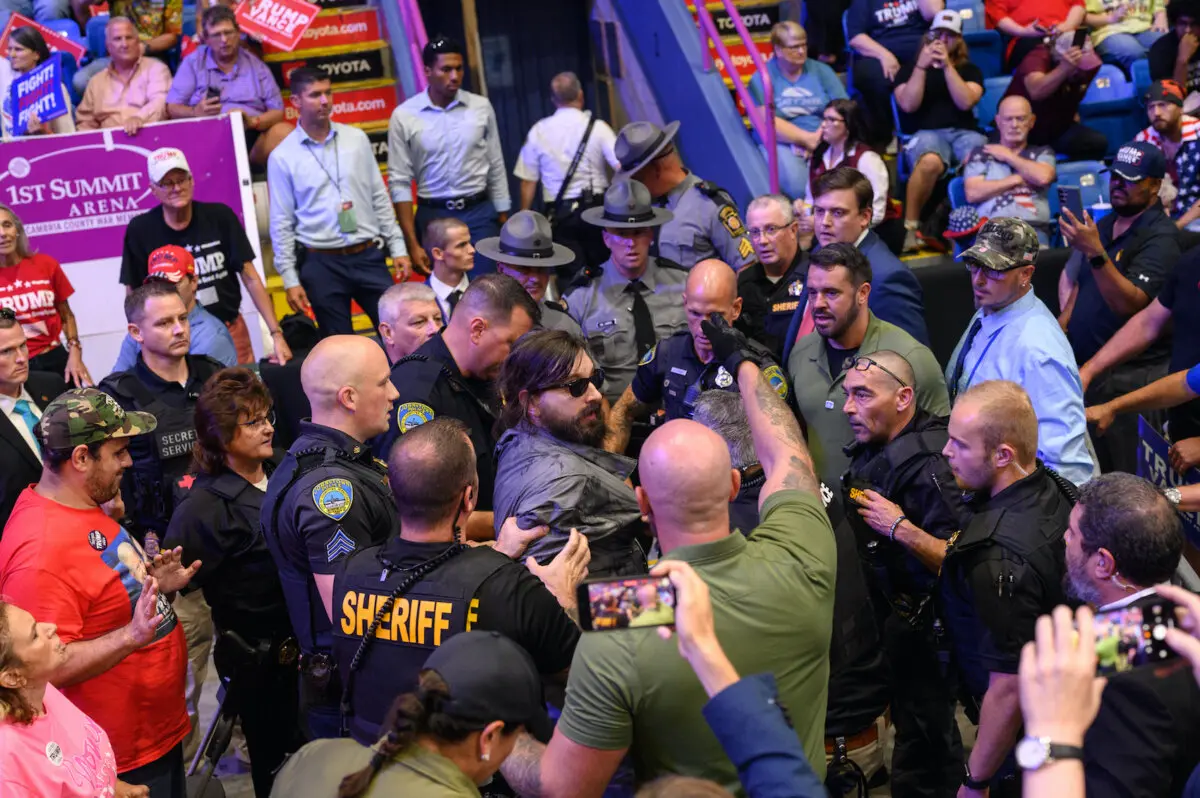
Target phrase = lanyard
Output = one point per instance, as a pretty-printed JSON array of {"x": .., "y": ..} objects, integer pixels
[
  {"x": 337, "y": 184},
  {"x": 982, "y": 355}
]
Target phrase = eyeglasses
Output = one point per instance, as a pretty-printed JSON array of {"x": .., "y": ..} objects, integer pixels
[
  {"x": 992, "y": 274},
  {"x": 578, "y": 387},
  {"x": 770, "y": 231},
  {"x": 793, "y": 47},
  {"x": 254, "y": 423},
  {"x": 8, "y": 314},
  {"x": 833, "y": 120},
  {"x": 864, "y": 363},
  {"x": 173, "y": 185},
  {"x": 228, "y": 33},
  {"x": 443, "y": 44}
]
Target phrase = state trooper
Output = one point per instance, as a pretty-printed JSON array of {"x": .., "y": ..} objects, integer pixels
[
  {"x": 1003, "y": 571},
  {"x": 706, "y": 222},
  {"x": 398, "y": 601},
  {"x": 327, "y": 499},
  {"x": 451, "y": 375},
  {"x": 525, "y": 251},
  {"x": 635, "y": 299},
  {"x": 678, "y": 369},
  {"x": 904, "y": 500}
]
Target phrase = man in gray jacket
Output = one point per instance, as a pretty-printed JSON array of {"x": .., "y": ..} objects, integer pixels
[{"x": 550, "y": 467}]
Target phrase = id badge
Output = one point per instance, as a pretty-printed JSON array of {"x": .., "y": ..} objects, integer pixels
[{"x": 347, "y": 219}]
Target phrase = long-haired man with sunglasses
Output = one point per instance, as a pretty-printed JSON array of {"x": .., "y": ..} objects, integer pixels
[{"x": 550, "y": 467}]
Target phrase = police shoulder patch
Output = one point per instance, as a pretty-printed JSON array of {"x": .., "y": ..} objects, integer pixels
[
  {"x": 339, "y": 545},
  {"x": 732, "y": 222},
  {"x": 775, "y": 378},
  {"x": 649, "y": 356},
  {"x": 411, "y": 415},
  {"x": 334, "y": 497}
]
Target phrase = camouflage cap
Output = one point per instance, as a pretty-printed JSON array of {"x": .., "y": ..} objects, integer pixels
[
  {"x": 83, "y": 416},
  {"x": 1003, "y": 244}
]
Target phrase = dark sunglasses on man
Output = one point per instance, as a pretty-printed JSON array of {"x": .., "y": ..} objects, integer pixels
[{"x": 578, "y": 386}]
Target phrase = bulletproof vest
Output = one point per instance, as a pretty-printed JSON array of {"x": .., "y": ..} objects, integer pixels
[
  {"x": 906, "y": 585},
  {"x": 439, "y": 605},
  {"x": 159, "y": 481}
]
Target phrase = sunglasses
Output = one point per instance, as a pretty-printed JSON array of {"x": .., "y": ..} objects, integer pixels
[
  {"x": 578, "y": 387},
  {"x": 8, "y": 314},
  {"x": 864, "y": 363}
]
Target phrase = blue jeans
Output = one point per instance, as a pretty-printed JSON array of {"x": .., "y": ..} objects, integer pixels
[
  {"x": 37, "y": 10},
  {"x": 793, "y": 170},
  {"x": 951, "y": 145},
  {"x": 1123, "y": 49}
]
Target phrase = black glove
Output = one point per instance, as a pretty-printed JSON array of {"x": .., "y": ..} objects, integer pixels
[{"x": 729, "y": 346}]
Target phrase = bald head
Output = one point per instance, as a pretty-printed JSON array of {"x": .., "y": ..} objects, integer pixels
[
  {"x": 687, "y": 483},
  {"x": 711, "y": 288},
  {"x": 1014, "y": 120},
  {"x": 896, "y": 364},
  {"x": 346, "y": 380}
]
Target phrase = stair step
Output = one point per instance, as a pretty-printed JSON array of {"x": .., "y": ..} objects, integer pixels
[
  {"x": 349, "y": 64},
  {"x": 335, "y": 28}
]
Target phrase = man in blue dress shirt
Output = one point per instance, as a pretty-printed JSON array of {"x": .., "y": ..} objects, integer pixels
[
  {"x": 1013, "y": 336},
  {"x": 330, "y": 213}
]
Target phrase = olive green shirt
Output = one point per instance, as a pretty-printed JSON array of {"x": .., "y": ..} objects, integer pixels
[
  {"x": 318, "y": 768},
  {"x": 820, "y": 398},
  {"x": 772, "y": 597}
]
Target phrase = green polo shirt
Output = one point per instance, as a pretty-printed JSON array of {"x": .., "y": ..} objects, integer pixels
[
  {"x": 820, "y": 398},
  {"x": 772, "y": 597},
  {"x": 319, "y": 767}
]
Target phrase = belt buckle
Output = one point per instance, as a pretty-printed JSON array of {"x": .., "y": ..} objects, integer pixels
[{"x": 289, "y": 652}]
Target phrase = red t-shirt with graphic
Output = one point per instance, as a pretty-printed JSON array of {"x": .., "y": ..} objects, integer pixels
[
  {"x": 80, "y": 570},
  {"x": 31, "y": 289}
]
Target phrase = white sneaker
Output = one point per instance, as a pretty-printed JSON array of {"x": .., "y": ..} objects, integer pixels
[{"x": 911, "y": 242}]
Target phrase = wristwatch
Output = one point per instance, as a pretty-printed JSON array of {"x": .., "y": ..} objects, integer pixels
[
  {"x": 972, "y": 783},
  {"x": 1035, "y": 752},
  {"x": 1173, "y": 495},
  {"x": 1098, "y": 261}
]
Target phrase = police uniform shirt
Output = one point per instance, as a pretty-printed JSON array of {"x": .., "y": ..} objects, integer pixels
[
  {"x": 431, "y": 385},
  {"x": 219, "y": 524},
  {"x": 768, "y": 305},
  {"x": 511, "y": 601},
  {"x": 673, "y": 373},
  {"x": 342, "y": 504},
  {"x": 604, "y": 311},
  {"x": 706, "y": 225},
  {"x": 555, "y": 317}
]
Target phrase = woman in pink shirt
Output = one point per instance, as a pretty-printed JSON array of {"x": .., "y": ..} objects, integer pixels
[{"x": 48, "y": 747}]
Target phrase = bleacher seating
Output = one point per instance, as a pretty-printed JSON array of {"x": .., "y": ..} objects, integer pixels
[
  {"x": 993, "y": 92},
  {"x": 1141, "y": 76},
  {"x": 986, "y": 51},
  {"x": 1111, "y": 107},
  {"x": 972, "y": 14},
  {"x": 95, "y": 36}
]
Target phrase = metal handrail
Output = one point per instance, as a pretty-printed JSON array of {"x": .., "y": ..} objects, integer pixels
[
  {"x": 762, "y": 119},
  {"x": 414, "y": 26}
]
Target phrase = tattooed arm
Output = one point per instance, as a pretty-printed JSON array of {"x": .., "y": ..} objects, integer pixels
[
  {"x": 777, "y": 439},
  {"x": 562, "y": 769},
  {"x": 620, "y": 421}
]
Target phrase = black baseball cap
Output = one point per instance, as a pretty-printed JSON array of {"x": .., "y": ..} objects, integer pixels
[
  {"x": 1138, "y": 160},
  {"x": 491, "y": 678}
]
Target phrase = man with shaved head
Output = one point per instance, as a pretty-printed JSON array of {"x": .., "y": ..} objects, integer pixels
[
  {"x": 678, "y": 369},
  {"x": 903, "y": 504},
  {"x": 1011, "y": 177},
  {"x": 328, "y": 498},
  {"x": 1003, "y": 570},
  {"x": 772, "y": 606}
]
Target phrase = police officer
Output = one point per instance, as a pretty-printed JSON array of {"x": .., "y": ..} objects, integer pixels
[
  {"x": 706, "y": 222},
  {"x": 897, "y": 473},
  {"x": 635, "y": 299},
  {"x": 397, "y": 602},
  {"x": 451, "y": 375},
  {"x": 328, "y": 498},
  {"x": 218, "y": 524},
  {"x": 526, "y": 252},
  {"x": 678, "y": 369},
  {"x": 773, "y": 287},
  {"x": 1003, "y": 570}
]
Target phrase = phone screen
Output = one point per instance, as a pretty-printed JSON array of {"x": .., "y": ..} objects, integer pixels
[
  {"x": 1071, "y": 198},
  {"x": 1080, "y": 37},
  {"x": 1133, "y": 636},
  {"x": 627, "y": 603},
  {"x": 213, "y": 92}
]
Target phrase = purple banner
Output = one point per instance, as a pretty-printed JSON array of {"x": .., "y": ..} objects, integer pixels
[{"x": 76, "y": 193}]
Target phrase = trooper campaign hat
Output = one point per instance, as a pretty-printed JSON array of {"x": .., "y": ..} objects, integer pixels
[
  {"x": 639, "y": 143},
  {"x": 525, "y": 240},
  {"x": 627, "y": 204}
]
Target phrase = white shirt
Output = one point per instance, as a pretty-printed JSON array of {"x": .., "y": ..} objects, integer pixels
[
  {"x": 1125, "y": 602},
  {"x": 8, "y": 405},
  {"x": 443, "y": 292},
  {"x": 551, "y": 145}
]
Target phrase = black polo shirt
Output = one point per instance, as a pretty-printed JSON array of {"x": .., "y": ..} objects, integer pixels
[
  {"x": 1145, "y": 254},
  {"x": 768, "y": 305},
  {"x": 1180, "y": 294}
]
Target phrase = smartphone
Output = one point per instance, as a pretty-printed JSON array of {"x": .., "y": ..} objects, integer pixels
[
  {"x": 626, "y": 603},
  {"x": 1133, "y": 636},
  {"x": 213, "y": 93},
  {"x": 1071, "y": 199},
  {"x": 1081, "y": 35}
]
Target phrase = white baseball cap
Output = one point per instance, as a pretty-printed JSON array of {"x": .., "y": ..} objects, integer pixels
[
  {"x": 163, "y": 160},
  {"x": 947, "y": 20}
]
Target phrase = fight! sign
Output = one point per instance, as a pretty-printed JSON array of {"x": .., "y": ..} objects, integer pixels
[
  {"x": 280, "y": 22},
  {"x": 39, "y": 91},
  {"x": 55, "y": 41}
]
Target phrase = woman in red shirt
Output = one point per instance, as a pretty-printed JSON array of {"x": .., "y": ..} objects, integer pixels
[
  {"x": 35, "y": 288},
  {"x": 1028, "y": 22}
]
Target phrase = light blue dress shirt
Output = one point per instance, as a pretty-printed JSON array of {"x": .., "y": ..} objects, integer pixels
[
  {"x": 450, "y": 152},
  {"x": 1024, "y": 344},
  {"x": 209, "y": 336},
  {"x": 305, "y": 202}
]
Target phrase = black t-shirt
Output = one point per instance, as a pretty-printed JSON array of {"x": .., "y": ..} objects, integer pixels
[
  {"x": 839, "y": 359},
  {"x": 937, "y": 110},
  {"x": 1162, "y": 61},
  {"x": 1180, "y": 294},
  {"x": 216, "y": 240}
]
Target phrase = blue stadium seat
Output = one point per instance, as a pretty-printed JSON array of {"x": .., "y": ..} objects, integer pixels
[
  {"x": 993, "y": 91},
  {"x": 67, "y": 28},
  {"x": 1111, "y": 107},
  {"x": 986, "y": 51},
  {"x": 1109, "y": 85},
  {"x": 957, "y": 191},
  {"x": 1141, "y": 76},
  {"x": 971, "y": 12},
  {"x": 95, "y": 35},
  {"x": 1090, "y": 176}
]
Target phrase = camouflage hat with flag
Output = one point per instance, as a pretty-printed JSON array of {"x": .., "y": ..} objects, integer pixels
[
  {"x": 84, "y": 416},
  {"x": 1003, "y": 244}
]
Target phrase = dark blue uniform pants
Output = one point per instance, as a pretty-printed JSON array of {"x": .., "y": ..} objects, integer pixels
[
  {"x": 480, "y": 218},
  {"x": 331, "y": 281}
]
